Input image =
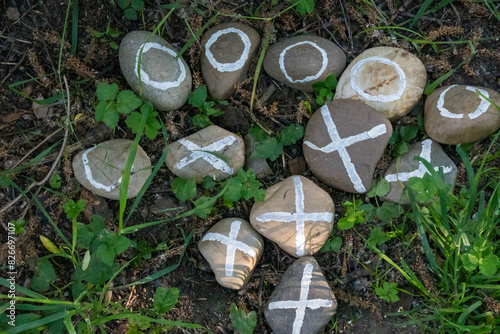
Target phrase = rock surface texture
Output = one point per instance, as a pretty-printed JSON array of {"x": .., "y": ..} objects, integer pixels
[
  {"x": 165, "y": 81},
  {"x": 228, "y": 50},
  {"x": 391, "y": 80},
  {"x": 343, "y": 143},
  {"x": 232, "y": 247},
  {"x": 213, "y": 152},
  {"x": 301, "y": 61},
  {"x": 400, "y": 172},
  {"x": 296, "y": 214},
  {"x": 303, "y": 302},
  {"x": 457, "y": 114},
  {"x": 100, "y": 168}
]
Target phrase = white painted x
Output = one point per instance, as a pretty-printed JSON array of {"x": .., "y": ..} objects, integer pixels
[
  {"x": 198, "y": 152},
  {"x": 299, "y": 217},
  {"x": 303, "y": 303},
  {"x": 421, "y": 170},
  {"x": 340, "y": 145},
  {"x": 231, "y": 245}
]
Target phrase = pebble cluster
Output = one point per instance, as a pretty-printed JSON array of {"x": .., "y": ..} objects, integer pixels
[{"x": 343, "y": 142}]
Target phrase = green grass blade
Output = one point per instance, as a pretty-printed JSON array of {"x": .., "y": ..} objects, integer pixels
[
  {"x": 196, "y": 35},
  {"x": 139, "y": 317},
  {"x": 421, "y": 12},
  {"x": 74, "y": 28},
  {"x": 58, "y": 231},
  {"x": 259, "y": 67},
  {"x": 22, "y": 290},
  {"x": 467, "y": 312},
  {"x": 430, "y": 88},
  {"x": 37, "y": 323}
]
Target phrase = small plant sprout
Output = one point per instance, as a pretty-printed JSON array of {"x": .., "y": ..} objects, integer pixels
[
  {"x": 272, "y": 147},
  {"x": 388, "y": 292},
  {"x": 325, "y": 90},
  {"x": 131, "y": 8},
  {"x": 243, "y": 322},
  {"x": 198, "y": 99},
  {"x": 108, "y": 36}
]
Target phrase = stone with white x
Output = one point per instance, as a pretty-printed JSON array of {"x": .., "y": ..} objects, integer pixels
[
  {"x": 232, "y": 248},
  {"x": 343, "y": 142},
  {"x": 212, "y": 152},
  {"x": 399, "y": 172},
  {"x": 302, "y": 302},
  {"x": 296, "y": 214}
]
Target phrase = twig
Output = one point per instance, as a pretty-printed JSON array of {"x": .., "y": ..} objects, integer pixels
[
  {"x": 347, "y": 24},
  {"x": 13, "y": 69},
  {"x": 36, "y": 147}
]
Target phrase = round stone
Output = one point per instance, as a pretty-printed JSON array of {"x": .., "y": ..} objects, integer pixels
[
  {"x": 303, "y": 302},
  {"x": 402, "y": 169},
  {"x": 212, "y": 151},
  {"x": 458, "y": 114},
  {"x": 228, "y": 50},
  {"x": 301, "y": 61},
  {"x": 343, "y": 143},
  {"x": 164, "y": 80},
  {"x": 232, "y": 248},
  {"x": 391, "y": 80},
  {"x": 100, "y": 168},
  {"x": 296, "y": 214}
]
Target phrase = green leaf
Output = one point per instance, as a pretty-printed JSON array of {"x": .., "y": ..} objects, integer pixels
[
  {"x": 121, "y": 243},
  {"x": 198, "y": 97},
  {"x": 127, "y": 101},
  {"x": 469, "y": 261},
  {"x": 317, "y": 86},
  {"x": 320, "y": 100},
  {"x": 123, "y": 3},
  {"x": 201, "y": 121},
  {"x": 488, "y": 265},
  {"x": 130, "y": 14},
  {"x": 73, "y": 209},
  {"x": 49, "y": 245},
  {"x": 96, "y": 33},
  {"x": 138, "y": 5},
  {"x": 409, "y": 132},
  {"x": 380, "y": 188},
  {"x": 394, "y": 138},
  {"x": 234, "y": 191},
  {"x": 184, "y": 189},
  {"x": 106, "y": 92},
  {"x": 377, "y": 237},
  {"x": 345, "y": 224},
  {"x": 55, "y": 181},
  {"x": 244, "y": 323},
  {"x": 165, "y": 299},
  {"x": 389, "y": 211},
  {"x": 44, "y": 275},
  {"x": 400, "y": 148},
  {"x": 111, "y": 117},
  {"x": 106, "y": 254},
  {"x": 113, "y": 32},
  {"x": 331, "y": 82},
  {"x": 18, "y": 225},
  {"x": 208, "y": 182},
  {"x": 203, "y": 212},
  {"x": 100, "y": 110},
  {"x": 114, "y": 45},
  {"x": 291, "y": 134},
  {"x": 268, "y": 148},
  {"x": 332, "y": 244},
  {"x": 258, "y": 133},
  {"x": 86, "y": 260},
  {"x": 133, "y": 121},
  {"x": 369, "y": 211},
  {"x": 152, "y": 126}
]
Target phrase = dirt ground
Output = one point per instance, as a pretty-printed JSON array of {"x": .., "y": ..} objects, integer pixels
[{"x": 30, "y": 47}]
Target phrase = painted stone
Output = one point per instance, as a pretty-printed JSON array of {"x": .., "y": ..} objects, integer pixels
[
  {"x": 391, "y": 80},
  {"x": 228, "y": 50},
  {"x": 343, "y": 143},
  {"x": 457, "y": 114},
  {"x": 303, "y": 302},
  {"x": 259, "y": 166},
  {"x": 301, "y": 61},
  {"x": 400, "y": 172},
  {"x": 296, "y": 214},
  {"x": 165, "y": 80},
  {"x": 100, "y": 168},
  {"x": 212, "y": 151},
  {"x": 232, "y": 248}
]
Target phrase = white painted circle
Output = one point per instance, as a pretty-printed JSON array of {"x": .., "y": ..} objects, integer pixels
[
  {"x": 228, "y": 67},
  {"x": 481, "y": 109},
  {"x": 162, "y": 85},
  {"x": 311, "y": 77},
  {"x": 379, "y": 98}
]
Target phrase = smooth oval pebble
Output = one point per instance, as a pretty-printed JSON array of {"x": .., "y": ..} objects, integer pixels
[
  {"x": 343, "y": 143},
  {"x": 391, "y": 80},
  {"x": 296, "y": 214},
  {"x": 232, "y": 248},
  {"x": 457, "y": 114},
  {"x": 301, "y": 61},
  {"x": 228, "y": 50},
  {"x": 192, "y": 157},
  {"x": 165, "y": 81},
  {"x": 100, "y": 168}
]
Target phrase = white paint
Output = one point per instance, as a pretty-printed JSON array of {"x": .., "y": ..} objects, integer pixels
[
  {"x": 481, "y": 109},
  {"x": 303, "y": 303},
  {"x": 340, "y": 145},
  {"x": 198, "y": 152},
  {"x": 324, "y": 64},
  {"x": 162, "y": 85},
  {"x": 88, "y": 173},
  {"x": 232, "y": 244},
  {"x": 421, "y": 170},
  {"x": 228, "y": 67},
  {"x": 299, "y": 217},
  {"x": 379, "y": 98}
]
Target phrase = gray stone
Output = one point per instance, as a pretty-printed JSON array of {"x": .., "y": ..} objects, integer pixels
[
  {"x": 343, "y": 143},
  {"x": 296, "y": 214},
  {"x": 303, "y": 302},
  {"x": 457, "y": 114},
  {"x": 232, "y": 248},
  {"x": 228, "y": 50},
  {"x": 212, "y": 151},
  {"x": 100, "y": 168},
  {"x": 391, "y": 80},
  {"x": 165, "y": 81},
  {"x": 301, "y": 61},
  {"x": 399, "y": 172},
  {"x": 259, "y": 166}
]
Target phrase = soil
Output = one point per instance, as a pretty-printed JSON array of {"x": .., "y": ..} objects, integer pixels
[{"x": 31, "y": 52}]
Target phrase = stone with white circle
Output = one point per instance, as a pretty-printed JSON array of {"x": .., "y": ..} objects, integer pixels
[
  {"x": 301, "y": 61},
  {"x": 391, "y": 80},
  {"x": 152, "y": 69},
  {"x": 459, "y": 114}
]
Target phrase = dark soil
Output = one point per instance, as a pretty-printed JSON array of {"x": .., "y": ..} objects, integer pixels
[{"x": 30, "y": 47}]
